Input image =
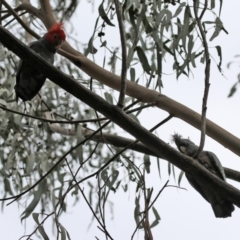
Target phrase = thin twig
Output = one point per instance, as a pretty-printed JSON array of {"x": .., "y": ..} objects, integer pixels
[
  {"x": 1, "y": 11},
  {"x": 207, "y": 77},
  {"x": 101, "y": 210},
  {"x": 119, "y": 153},
  {"x": 89, "y": 205},
  {"x": 40, "y": 225},
  {"x": 12, "y": 11},
  {"x": 155, "y": 199},
  {"x": 60, "y": 202},
  {"x": 52, "y": 121},
  {"x": 204, "y": 9},
  {"x": 124, "y": 54},
  {"x": 147, "y": 198},
  {"x": 137, "y": 228},
  {"x": 69, "y": 122}
]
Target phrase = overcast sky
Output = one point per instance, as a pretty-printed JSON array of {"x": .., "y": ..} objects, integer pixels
[{"x": 184, "y": 214}]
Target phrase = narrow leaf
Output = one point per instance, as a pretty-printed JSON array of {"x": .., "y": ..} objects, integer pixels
[
  {"x": 143, "y": 59},
  {"x": 104, "y": 16}
]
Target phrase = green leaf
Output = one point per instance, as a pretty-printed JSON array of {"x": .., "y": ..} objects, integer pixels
[
  {"x": 103, "y": 15},
  {"x": 35, "y": 217},
  {"x": 156, "y": 213},
  {"x": 43, "y": 233},
  {"x": 219, "y": 51},
  {"x": 137, "y": 214},
  {"x": 80, "y": 135},
  {"x": 40, "y": 228},
  {"x": 147, "y": 162},
  {"x": 158, "y": 165},
  {"x": 148, "y": 27},
  {"x": 3, "y": 53},
  {"x": 132, "y": 74},
  {"x": 192, "y": 58},
  {"x": 220, "y": 8},
  {"x": 157, "y": 218},
  {"x": 179, "y": 10},
  {"x": 7, "y": 186},
  {"x": 3, "y": 103},
  {"x": 159, "y": 61},
  {"x": 169, "y": 168},
  {"x": 108, "y": 97},
  {"x": 130, "y": 55},
  {"x": 91, "y": 49},
  {"x": 212, "y": 4},
  {"x": 63, "y": 233},
  {"x": 180, "y": 177},
  {"x": 233, "y": 90},
  {"x": 125, "y": 187},
  {"x": 32, "y": 205},
  {"x": 30, "y": 163},
  {"x": 109, "y": 183},
  {"x": 143, "y": 59},
  {"x": 36, "y": 198},
  {"x": 218, "y": 28}
]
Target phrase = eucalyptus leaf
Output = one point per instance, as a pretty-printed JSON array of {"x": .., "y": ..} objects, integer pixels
[
  {"x": 103, "y": 15},
  {"x": 143, "y": 59}
]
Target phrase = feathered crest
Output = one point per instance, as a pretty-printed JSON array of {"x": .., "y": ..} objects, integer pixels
[{"x": 58, "y": 28}]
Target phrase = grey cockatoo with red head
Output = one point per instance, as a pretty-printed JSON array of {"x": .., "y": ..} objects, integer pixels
[{"x": 30, "y": 80}]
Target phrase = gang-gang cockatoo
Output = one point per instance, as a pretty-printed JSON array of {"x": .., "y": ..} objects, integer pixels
[{"x": 30, "y": 80}]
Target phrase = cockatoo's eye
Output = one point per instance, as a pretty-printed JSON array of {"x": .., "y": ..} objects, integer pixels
[{"x": 183, "y": 149}]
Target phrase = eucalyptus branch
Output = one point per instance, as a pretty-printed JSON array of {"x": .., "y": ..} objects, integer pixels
[
  {"x": 124, "y": 54},
  {"x": 207, "y": 77},
  {"x": 13, "y": 12},
  {"x": 45, "y": 7},
  {"x": 29, "y": 8},
  {"x": 119, "y": 141}
]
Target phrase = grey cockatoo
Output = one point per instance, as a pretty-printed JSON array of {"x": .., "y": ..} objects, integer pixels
[
  {"x": 30, "y": 80},
  {"x": 222, "y": 208}
]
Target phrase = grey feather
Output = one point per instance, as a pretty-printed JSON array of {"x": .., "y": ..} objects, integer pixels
[
  {"x": 30, "y": 80},
  {"x": 222, "y": 207}
]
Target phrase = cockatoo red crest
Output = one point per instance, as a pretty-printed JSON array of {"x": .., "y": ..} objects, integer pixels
[{"x": 56, "y": 29}]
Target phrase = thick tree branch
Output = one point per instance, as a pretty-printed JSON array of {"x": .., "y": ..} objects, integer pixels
[
  {"x": 70, "y": 85},
  {"x": 122, "y": 142},
  {"x": 106, "y": 138}
]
